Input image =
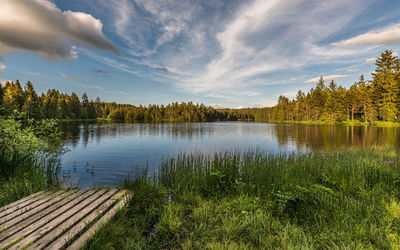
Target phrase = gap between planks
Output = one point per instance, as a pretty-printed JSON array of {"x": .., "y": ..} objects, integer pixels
[{"x": 51, "y": 220}]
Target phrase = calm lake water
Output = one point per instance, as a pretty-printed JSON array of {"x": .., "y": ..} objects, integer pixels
[{"x": 102, "y": 153}]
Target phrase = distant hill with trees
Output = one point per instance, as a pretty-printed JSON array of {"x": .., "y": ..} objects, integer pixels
[{"x": 366, "y": 100}]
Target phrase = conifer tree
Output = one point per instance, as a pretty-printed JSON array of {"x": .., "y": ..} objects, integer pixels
[
  {"x": 386, "y": 87},
  {"x": 32, "y": 105}
]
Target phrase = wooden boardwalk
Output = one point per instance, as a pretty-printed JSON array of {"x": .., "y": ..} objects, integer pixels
[{"x": 55, "y": 220}]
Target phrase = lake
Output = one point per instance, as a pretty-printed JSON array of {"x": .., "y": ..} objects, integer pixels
[{"x": 103, "y": 153}]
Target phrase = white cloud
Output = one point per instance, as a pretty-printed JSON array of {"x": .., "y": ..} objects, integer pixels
[
  {"x": 352, "y": 70},
  {"x": 3, "y": 82},
  {"x": 66, "y": 76},
  {"x": 326, "y": 78},
  {"x": 268, "y": 36},
  {"x": 291, "y": 94},
  {"x": 39, "y": 26},
  {"x": 218, "y": 106},
  {"x": 369, "y": 61},
  {"x": 2, "y": 67},
  {"x": 387, "y": 35},
  {"x": 139, "y": 22},
  {"x": 231, "y": 53}
]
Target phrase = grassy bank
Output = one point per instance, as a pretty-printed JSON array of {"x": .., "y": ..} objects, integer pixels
[
  {"x": 342, "y": 199},
  {"x": 349, "y": 123},
  {"x": 29, "y": 154}
]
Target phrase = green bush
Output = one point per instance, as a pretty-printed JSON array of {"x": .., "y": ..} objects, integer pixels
[{"x": 29, "y": 156}]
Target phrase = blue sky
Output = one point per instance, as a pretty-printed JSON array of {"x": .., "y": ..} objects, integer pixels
[{"x": 229, "y": 53}]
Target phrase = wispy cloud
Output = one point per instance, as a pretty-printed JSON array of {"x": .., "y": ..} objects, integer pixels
[
  {"x": 386, "y": 35},
  {"x": 39, "y": 26},
  {"x": 238, "y": 48},
  {"x": 326, "y": 78},
  {"x": 100, "y": 71},
  {"x": 102, "y": 89},
  {"x": 265, "y": 37},
  {"x": 162, "y": 68},
  {"x": 2, "y": 67},
  {"x": 352, "y": 70},
  {"x": 369, "y": 61},
  {"x": 67, "y": 76}
]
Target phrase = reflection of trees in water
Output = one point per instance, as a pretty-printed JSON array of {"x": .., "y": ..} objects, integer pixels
[
  {"x": 316, "y": 137},
  {"x": 75, "y": 132},
  {"x": 303, "y": 136}
]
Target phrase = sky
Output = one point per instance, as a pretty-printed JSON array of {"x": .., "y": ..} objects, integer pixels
[{"x": 223, "y": 53}]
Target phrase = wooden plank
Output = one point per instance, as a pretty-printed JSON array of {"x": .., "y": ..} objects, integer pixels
[
  {"x": 92, "y": 230},
  {"x": 71, "y": 233},
  {"x": 28, "y": 207},
  {"x": 40, "y": 219},
  {"x": 56, "y": 232},
  {"x": 13, "y": 219},
  {"x": 20, "y": 201},
  {"x": 23, "y": 204},
  {"x": 17, "y": 216},
  {"x": 60, "y": 220}
]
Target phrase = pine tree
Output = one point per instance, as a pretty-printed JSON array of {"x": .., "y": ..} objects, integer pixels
[
  {"x": 386, "y": 87},
  {"x": 85, "y": 106},
  {"x": 32, "y": 106},
  {"x": 1, "y": 99},
  {"x": 332, "y": 106},
  {"x": 318, "y": 97},
  {"x": 13, "y": 97}
]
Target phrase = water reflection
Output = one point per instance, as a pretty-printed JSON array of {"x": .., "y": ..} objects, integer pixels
[
  {"x": 76, "y": 133},
  {"x": 101, "y": 153},
  {"x": 315, "y": 137}
]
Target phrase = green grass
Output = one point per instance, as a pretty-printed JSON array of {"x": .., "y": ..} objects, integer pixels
[
  {"x": 349, "y": 122},
  {"x": 343, "y": 199},
  {"x": 386, "y": 124}
]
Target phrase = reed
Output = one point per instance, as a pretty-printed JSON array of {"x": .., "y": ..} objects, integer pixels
[{"x": 348, "y": 198}]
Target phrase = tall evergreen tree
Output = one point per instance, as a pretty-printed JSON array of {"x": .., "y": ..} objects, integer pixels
[
  {"x": 13, "y": 97},
  {"x": 386, "y": 87},
  {"x": 32, "y": 105}
]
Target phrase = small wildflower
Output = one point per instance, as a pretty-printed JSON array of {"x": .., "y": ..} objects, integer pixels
[{"x": 389, "y": 162}]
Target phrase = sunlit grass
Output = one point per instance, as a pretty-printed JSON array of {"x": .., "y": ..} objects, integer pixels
[{"x": 343, "y": 199}]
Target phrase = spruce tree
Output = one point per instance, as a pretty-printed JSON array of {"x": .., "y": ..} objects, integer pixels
[{"x": 386, "y": 87}]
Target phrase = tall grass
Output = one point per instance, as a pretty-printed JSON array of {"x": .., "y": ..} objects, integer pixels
[{"x": 349, "y": 198}]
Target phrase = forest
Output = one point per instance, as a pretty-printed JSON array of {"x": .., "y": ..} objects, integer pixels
[{"x": 366, "y": 101}]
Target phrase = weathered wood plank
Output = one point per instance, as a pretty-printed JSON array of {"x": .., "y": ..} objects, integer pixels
[
  {"x": 18, "y": 216},
  {"x": 2, "y": 209},
  {"x": 58, "y": 220},
  {"x": 51, "y": 219},
  {"x": 23, "y": 204},
  {"x": 71, "y": 233},
  {"x": 104, "y": 219},
  {"x": 42, "y": 218},
  {"x": 56, "y": 232}
]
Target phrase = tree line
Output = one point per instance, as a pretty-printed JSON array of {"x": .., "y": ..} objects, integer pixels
[
  {"x": 56, "y": 105},
  {"x": 366, "y": 100}
]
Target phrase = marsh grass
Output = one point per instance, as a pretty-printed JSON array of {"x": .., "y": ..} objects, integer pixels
[{"x": 232, "y": 200}]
